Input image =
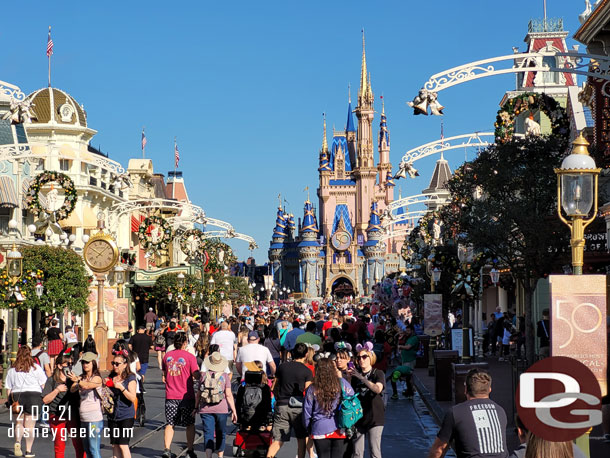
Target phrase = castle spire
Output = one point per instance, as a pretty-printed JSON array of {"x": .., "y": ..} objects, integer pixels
[
  {"x": 374, "y": 220},
  {"x": 309, "y": 219},
  {"x": 364, "y": 85},
  {"x": 324, "y": 141},
  {"x": 350, "y": 126}
]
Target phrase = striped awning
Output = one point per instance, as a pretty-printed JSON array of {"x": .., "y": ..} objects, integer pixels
[{"x": 8, "y": 195}]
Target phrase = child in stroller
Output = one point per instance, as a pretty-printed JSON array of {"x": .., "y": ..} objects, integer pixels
[{"x": 254, "y": 405}]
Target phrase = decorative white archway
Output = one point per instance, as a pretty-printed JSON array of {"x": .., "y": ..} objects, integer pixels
[{"x": 473, "y": 140}]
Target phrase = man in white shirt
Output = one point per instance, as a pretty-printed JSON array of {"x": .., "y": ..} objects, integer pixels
[
  {"x": 254, "y": 352},
  {"x": 226, "y": 340}
]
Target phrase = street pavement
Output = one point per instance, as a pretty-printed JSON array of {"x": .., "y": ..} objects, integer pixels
[{"x": 409, "y": 426}]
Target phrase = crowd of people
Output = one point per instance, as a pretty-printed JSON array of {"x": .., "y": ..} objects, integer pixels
[{"x": 324, "y": 376}]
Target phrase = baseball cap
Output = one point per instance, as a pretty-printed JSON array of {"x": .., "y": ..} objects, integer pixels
[
  {"x": 88, "y": 357},
  {"x": 253, "y": 335}
]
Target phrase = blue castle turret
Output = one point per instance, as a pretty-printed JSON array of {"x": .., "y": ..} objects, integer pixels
[
  {"x": 374, "y": 249},
  {"x": 309, "y": 254}
]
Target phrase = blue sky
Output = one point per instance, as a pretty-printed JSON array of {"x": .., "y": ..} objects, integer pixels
[{"x": 243, "y": 85}]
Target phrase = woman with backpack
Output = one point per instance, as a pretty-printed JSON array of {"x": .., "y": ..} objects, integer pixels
[
  {"x": 321, "y": 410},
  {"x": 90, "y": 410},
  {"x": 159, "y": 343},
  {"x": 369, "y": 384},
  {"x": 213, "y": 403}
]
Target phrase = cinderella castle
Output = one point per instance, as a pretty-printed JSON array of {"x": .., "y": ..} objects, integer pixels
[{"x": 345, "y": 251}]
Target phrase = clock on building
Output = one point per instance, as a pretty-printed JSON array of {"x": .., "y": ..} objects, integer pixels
[
  {"x": 101, "y": 253},
  {"x": 341, "y": 240}
]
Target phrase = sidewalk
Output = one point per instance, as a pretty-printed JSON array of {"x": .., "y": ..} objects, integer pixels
[{"x": 501, "y": 392}]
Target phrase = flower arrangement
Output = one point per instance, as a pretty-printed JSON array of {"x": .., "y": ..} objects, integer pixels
[
  {"x": 530, "y": 101},
  {"x": 145, "y": 234},
  {"x": 70, "y": 197}
]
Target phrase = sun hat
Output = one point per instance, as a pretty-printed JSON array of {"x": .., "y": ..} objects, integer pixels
[
  {"x": 252, "y": 366},
  {"x": 88, "y": 357},
  {"x": 216, "y": 362}
]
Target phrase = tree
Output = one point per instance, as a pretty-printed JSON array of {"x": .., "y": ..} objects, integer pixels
[
  {"x": 505, "y": 202},
  {"x": 63, "y": 275}
]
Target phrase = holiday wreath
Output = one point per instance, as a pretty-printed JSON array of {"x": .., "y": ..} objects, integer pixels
[
  {"x": 530, "y": 101},
  {"x": 151, "y": 241},
  {"x": 32, "y": 199}
]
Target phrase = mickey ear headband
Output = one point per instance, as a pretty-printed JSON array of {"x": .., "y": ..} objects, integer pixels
[
  {"x": 122, "y": 352},
  {"x": 368, "y": 346},
  {"x": 343, "y": 346}
]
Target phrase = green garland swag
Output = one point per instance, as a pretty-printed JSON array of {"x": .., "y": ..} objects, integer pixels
[
  {"x": 146, "y": 239},
  {"x": 530, "y": 101},
  {"x": 70, "y": 197}
]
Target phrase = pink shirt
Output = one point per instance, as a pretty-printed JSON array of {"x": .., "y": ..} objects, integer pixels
[{"x": 179, "y": 367}]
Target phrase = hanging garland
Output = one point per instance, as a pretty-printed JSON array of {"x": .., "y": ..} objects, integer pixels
[
  {"x": 145, "y": 234},
  {"x": 530, "y": 101},
  {"x": 70, "y": 197}
]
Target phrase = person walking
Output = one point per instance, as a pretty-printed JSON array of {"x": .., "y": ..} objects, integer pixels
[
  {"x": 63, "y": 414},
  {"x": 292, "y": 379},
  {"x": 141, "y": 344},
  {"x": 160, "y": 344},
  {"x": 90, "y": 409},
  {"x": 40, "y": 356},
  {"x": 213, "y": 402},
  {"x": 227, "y": 341},
  {"x": 179, "y": 372},
  {"x": 150, "y": 320},
  {"x": 408, "y": 350},
  {"x": 122, "y": 382},
  {"x": 254, "y": 352},
  {"x": 24, "y": 383},
  {"x": 322, "y": 401},
  {"x": 467, "y": 422},
  {"x": 369, "y": 384},
  {"x": 55, "y": 341}
]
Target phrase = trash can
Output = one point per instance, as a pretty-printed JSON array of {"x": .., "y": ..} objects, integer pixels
[
  {"x": 422, "y": 354},
  {"x": 443, "y": 360},
  {"x": 458, "y": 379}
]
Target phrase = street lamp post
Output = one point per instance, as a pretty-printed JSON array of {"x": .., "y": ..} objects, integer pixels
[
  {"x": 180, "y": 283},
  {"x": 14, "y": 271},
  {"x": 211, "y": 290},
  {"x": 119, "y": 278},
  {"x": 577, "y": 195},
  {"x": 465, "y": 255},
  {"x": 435, "y": 278}
]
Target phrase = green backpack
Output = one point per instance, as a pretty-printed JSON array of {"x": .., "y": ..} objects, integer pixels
[{"x": 349, "y": 412}]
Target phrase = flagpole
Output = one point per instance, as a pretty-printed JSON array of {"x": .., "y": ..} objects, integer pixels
[
  {"x": 49, "y": 54},
  {"x": 174, "y": 183},
  {"x": 143, "y": 144}
]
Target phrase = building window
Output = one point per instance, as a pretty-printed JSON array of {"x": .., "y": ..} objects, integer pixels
[
  {"x": 65, "y": 164},
  {"x": 550, "y": 77},
  {"x": 5, "y": 216}
]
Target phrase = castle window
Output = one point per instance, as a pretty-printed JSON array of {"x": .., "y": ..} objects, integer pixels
[
  {"x": 550, "y": 77},
  {"x": 64, "y": 165}
]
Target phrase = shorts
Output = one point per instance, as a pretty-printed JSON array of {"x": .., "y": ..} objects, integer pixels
[
  {"x": 285, "y": 419},
  {"x": 120, "y": 431},
  {"x": 401, "y": 371},
  {"x": 31, "y": 401},
  {"x": 143, "y": 369},
  {"x": 55, "y": 347},
  {"x": 411, "y": 364},
  {"x": 180, "y": 412},
  {"x": 150, "y": 326},
  {"x": 159, "y": 347}
]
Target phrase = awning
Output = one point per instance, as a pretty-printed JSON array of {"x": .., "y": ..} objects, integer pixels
[
  {"x": 71, "y": 221},
  {"x": 8, "y": 196},
  {"x": 89, "y": 218},
  {"x": 25, "y": 187}
]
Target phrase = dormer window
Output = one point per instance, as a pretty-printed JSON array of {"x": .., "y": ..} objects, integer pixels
[{"x": 550, "y": 77}]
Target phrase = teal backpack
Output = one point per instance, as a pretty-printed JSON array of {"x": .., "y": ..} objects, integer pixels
[{"x": 349, "y": 412}]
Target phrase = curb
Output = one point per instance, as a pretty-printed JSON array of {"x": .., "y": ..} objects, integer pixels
[{"x": 431, "y": 403}]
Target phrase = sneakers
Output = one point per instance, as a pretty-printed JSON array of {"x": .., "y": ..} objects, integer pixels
[
  {"x": 394, "y": 396},
  {"x": 29, "y": 455},
  {"x": 167, "y": 453},
  {"x": 17, "y": 449},
  {"x": 191, "y": 454}
]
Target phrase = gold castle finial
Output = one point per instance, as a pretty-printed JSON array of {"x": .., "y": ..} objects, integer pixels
[
  {"x": 324, "y": 142},
  {"x": 279, "y": 197},
  {"x": 382, "y": 104},
  {"x": 349, "y": 93},
  {"x": 307, "y": 189}
]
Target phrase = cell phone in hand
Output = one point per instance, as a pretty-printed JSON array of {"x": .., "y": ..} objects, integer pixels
[{"x": 351, "y": 366}]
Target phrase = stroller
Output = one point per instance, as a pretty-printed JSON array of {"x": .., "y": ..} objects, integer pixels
[{"x": 254, "y": 416}]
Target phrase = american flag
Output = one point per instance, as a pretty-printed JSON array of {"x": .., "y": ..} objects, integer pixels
[
  {"x": 143, "y": 140},
  {"x": 49, "y": 44},
  {"x": 176, "y": 155}
]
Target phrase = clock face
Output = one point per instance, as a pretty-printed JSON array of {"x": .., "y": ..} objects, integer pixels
[
  {"x": 100, "y": 255},
  {"x": 341, "y": 240}
]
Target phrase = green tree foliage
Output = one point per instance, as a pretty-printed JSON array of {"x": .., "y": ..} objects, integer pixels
[
  {"x": 504, "y": 203},
  {"x": 63, "y": 275}
]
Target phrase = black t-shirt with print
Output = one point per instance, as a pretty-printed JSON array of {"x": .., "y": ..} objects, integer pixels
[
  {"x": 478, "y": 427},
  {"x": 291, "y": 378},
  {"x": 373, "y": 409}
]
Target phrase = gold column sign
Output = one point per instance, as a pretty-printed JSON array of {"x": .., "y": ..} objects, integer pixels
[
  {"x": 101, "y": 255},
  {"x": 578, "y": 321}
]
